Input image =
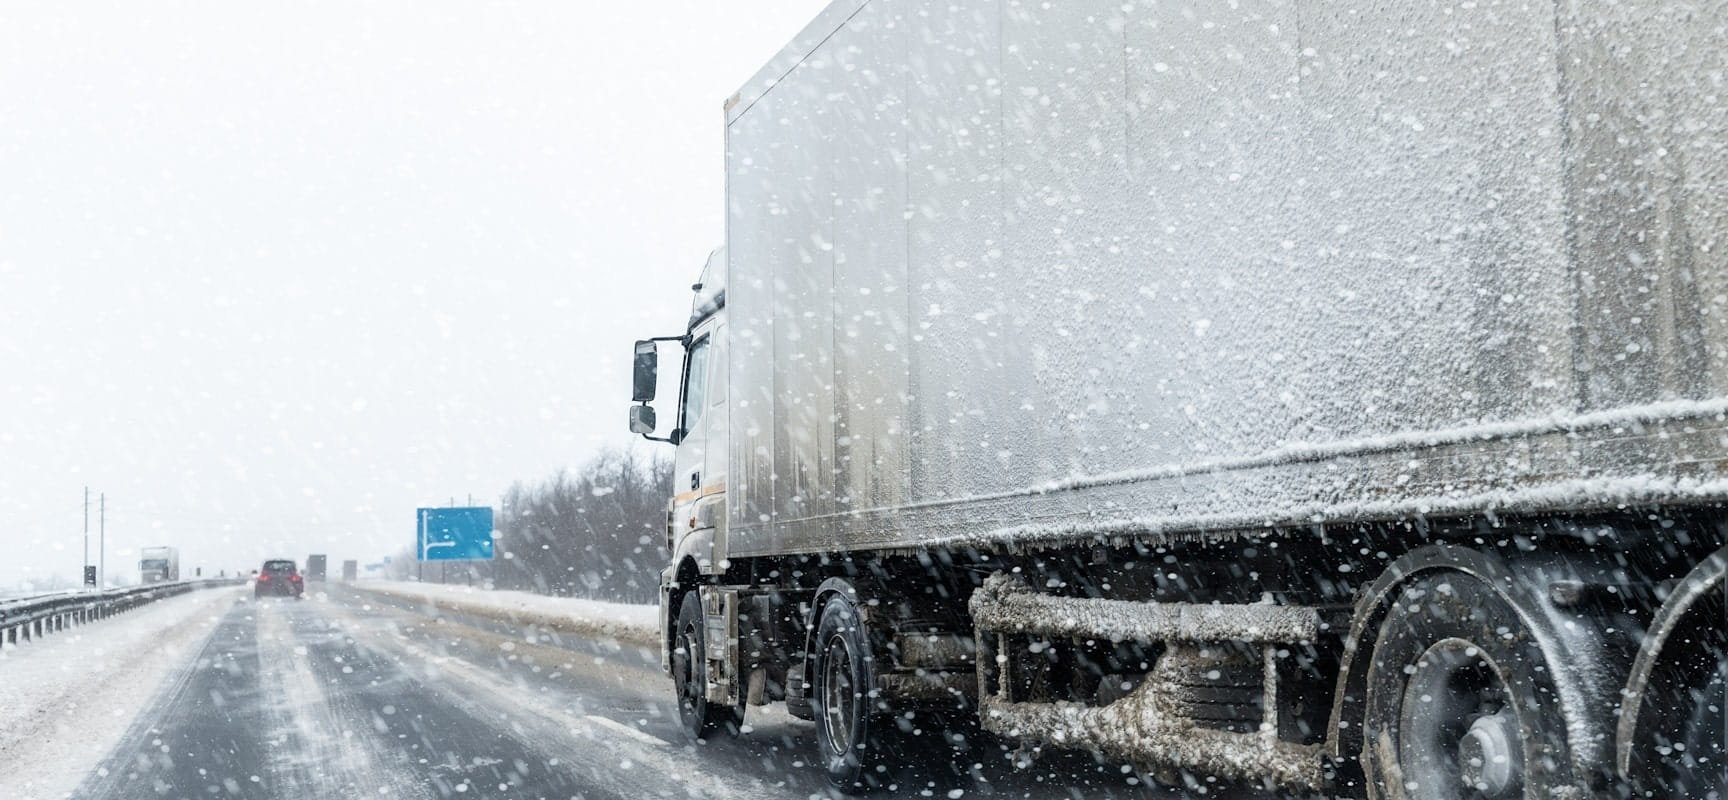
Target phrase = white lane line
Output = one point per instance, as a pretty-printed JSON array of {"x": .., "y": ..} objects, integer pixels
[
  {"x": 321, "y": 742},
  {"x": 639, "y": 765},
  {"x": 619, "y": 727}
]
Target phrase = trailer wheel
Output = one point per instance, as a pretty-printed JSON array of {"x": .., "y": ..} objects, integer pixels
[
  {"x": 1460, "y": 701},
  {"x": 1691, "y": 743},
  {"x": 851, "y": 728},
  {"x": 1702, "y": 768},
  {"x": 700, "y": 718}
]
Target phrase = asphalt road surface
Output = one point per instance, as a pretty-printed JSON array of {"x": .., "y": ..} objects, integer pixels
[{"x": 353, "y": 695}]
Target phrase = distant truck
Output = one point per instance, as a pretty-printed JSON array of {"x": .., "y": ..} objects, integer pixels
[
  {"x": 315, "y": 567},
  {"x": 159, "y": 565},
  {"x": 350, "y": 571},
  {"x": 1331, "y": 396}
]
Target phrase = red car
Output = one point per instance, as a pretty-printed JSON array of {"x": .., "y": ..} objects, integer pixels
[{"x": 279, "y": 577}]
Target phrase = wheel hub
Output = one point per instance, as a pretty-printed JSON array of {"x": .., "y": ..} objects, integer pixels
[
  {"x": 1459, "y": 737},
  {"x": 1489, "y": 756}
]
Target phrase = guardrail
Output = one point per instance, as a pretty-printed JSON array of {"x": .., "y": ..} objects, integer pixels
[{"x": 33, "y": 618}]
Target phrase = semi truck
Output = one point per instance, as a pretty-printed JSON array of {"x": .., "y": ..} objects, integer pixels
[
  {"x": 1325, "y": 396},
  {"x": 316, "y": 567},
  {"x": 158, "y": 564}
]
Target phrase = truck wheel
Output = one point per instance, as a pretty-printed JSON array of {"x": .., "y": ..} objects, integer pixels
[
  {"x": 851, "y": 730},
  {"x": 1460, "y": 703},
  {"x": 1694, "y": 762},
  {"x": 690, "y": 672},
  {"x": 1701, "y": 769}
]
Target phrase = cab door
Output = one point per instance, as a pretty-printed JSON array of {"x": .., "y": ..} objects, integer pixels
[{"x": 692, "y": 433}]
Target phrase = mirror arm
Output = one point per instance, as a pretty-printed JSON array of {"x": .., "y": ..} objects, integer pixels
[{"x": 684, "y": 340}]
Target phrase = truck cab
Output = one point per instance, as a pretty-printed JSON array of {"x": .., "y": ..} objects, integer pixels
[
  {"x": 159, "y": 565},
  {"x": 699, "y": 426},
  {"x": 699, "y": 432}
]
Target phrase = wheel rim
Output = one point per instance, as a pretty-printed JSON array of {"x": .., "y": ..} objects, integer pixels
[
  {"x": 1459, "y": 736},
  {"x": 690, "y": 689},
  {"x": 837, "y": 694}
]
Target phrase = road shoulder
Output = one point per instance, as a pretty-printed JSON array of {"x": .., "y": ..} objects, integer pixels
[{"x": 66, "y": 701}]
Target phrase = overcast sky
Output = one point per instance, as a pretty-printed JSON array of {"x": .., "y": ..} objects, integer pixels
[{"x": 273, "y": 276}]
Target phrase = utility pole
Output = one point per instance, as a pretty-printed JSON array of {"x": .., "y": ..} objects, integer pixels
[
  {"x": 86, "y": 566},
  {"x": 472, "y": 570},
  {"x": 102, "y": 543}
]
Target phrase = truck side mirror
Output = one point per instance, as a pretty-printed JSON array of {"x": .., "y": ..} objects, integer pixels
[
  {"x": 642, "y": 419},
  {"x": 646, "y": 377}
]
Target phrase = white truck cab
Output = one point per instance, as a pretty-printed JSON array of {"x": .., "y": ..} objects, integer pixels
[{"x": 696, "y": 512}]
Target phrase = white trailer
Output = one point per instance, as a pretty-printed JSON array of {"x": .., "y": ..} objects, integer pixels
[{"x": 1206, "y": 384}]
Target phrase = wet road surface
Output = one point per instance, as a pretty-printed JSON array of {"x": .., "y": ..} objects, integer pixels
[{"x": 352, "y": 694}]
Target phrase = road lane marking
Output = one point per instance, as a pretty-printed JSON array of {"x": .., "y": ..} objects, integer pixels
[
  {"x": 319, "y": 752},
  {"x": 637, "y": 764},
  {"x": 619, "y": 727}
]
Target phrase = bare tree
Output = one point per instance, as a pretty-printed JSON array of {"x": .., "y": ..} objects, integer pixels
[{"x": 598, "y": 532}]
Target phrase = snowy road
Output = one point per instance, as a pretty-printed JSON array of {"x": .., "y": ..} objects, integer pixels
[{"x": 354, "y": 694}]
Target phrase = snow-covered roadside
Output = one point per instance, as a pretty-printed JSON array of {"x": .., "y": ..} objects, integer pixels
[
  {"x": 628, "y": 623},
  {"x": 66, "y": 700}
]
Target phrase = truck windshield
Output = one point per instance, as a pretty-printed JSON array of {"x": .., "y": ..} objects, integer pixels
[{"x": 153, "y": 563}]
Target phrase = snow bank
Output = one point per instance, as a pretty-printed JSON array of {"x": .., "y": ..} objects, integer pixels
[
  {"x": 626, "y": 622},
  {"x": 66, "y": 700}
]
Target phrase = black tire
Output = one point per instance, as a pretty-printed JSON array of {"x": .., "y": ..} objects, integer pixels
[
  {"x": 1460, "y": 700},
  {"x": 854, "y": 728},
  {"x": 1690, "y": 742},
  {"x": 1701, "y": 770},
  {"x": 699, "y": 717}
]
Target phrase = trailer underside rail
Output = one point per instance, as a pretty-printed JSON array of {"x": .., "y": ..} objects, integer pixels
[{"x": 1162, "y": 721}]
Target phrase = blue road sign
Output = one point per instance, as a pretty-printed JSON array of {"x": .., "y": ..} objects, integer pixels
[{"x": 454, "y": 534}]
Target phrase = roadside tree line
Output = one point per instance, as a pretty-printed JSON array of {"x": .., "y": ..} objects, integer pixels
[{"x": 596, "y": 532}]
